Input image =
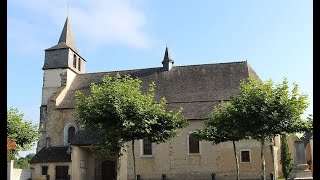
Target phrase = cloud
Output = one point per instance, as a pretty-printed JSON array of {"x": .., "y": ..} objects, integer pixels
[{"x": 99, "y": 22}]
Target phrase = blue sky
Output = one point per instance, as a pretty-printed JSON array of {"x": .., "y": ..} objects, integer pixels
[{"x": 275, "y": 37}]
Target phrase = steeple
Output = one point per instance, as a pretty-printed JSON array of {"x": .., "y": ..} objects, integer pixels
[
  {"x": 65, "y": 53},
  {"x": 67, "y": 37},
  {"x": 167, "y": 60}
]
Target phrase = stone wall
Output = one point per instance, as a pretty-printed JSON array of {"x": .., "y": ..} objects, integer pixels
[
  {"x": 56, "y": 121},
  {"x": 172, "y": 159}
]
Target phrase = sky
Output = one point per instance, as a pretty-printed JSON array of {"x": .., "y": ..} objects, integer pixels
[{"x": 275, "y": 37}]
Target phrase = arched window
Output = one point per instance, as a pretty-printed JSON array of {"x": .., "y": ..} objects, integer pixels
[
  {"x": 74, "y": 61},
  {"x": 69, "y": 133},
  {"x": 193, "y": 144}
]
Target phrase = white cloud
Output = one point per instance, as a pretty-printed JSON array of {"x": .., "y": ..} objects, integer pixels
[{"x": 95, "y": 21}]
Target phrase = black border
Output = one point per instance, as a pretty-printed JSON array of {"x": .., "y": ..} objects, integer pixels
[
  {"x": 3, "y": 66},
  {"x": 316, "y": 89}
]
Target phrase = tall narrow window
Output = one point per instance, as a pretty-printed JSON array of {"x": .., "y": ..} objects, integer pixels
[
  {"x": 79, "y": 64},
  {"x": 74, "y": 61},
  {"x": 71, "y": 132},
  {"x": 147, "y": 147},
  {"x": 194, "y": 144}
]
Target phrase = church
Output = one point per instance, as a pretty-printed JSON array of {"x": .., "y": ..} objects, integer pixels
[{"x": 63, "y": 151}]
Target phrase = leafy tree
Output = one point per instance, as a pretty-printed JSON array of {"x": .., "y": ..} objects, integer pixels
[
  {"x": 222, "y": 126},
  {"x": 11, "y": 156},
  {"x": 266, "y": 110},
  {"x": 21, "y": 163},
  {"x": 285, "y": 157},
  {"x": 122, "y": 113},
  {"x": 22, "y": 132}
]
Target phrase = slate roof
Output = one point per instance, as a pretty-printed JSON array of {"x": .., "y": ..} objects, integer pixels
[
  {"x": 85, "y": 137},
  {"x": 61, "y": 45},
  {"x": 52, "y": 154},
  {"x": 195, "y": 88}
]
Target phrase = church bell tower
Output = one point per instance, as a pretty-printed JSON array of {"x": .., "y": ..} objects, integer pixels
[{"x": 62, "y": 63}]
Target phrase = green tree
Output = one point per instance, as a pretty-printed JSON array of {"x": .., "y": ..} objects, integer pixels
[
  {"x": 266, "y": 110},
  {"x": 21, "y": 163},
  {"x": 122, "y": 113},
  {"x": 285, "y": 157},
  {"x": 22, "y": 132},
  {"x": 222, "y": 126},
  {"x": 11, "y": 156}
]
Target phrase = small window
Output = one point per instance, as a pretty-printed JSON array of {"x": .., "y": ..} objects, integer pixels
[
  {"x": 74, "y": 61},
  {"x": 44, "y": 170},
  {"x": 194, "y": 144},
  {"x": 147, "y": 147},
  {"x": 71, "y": 133},
  {"x": 79, "y": 64},
  {"x": 245, "y": 155}
]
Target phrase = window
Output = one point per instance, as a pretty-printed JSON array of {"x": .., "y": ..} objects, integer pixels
[
  {"x": 147, "y": 147},
  {"x": 74, "y": 61},
  {"x": 44, "y": 170},
  {"x": 245, "y": 155},
  {"x": 71, "y": 133},
  {"x": 194, "y": 144},
  {"x": 79, "y": 64}
]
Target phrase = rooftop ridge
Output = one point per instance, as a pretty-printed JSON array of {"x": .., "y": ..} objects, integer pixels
[
  {"x": 233, "y": 62},
  {"x": 129, "y": 70}
]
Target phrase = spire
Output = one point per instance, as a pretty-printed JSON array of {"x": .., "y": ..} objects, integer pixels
[
  {"x": 167, "y": 57},
  {"x": 167, "y": 60},
  {"x": 67, "y": 37}
]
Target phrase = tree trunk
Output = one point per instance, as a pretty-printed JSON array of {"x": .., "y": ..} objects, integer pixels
[
  {"x": 263, "y": 160},
  {"x": 134, "y": 161},
  {"x": 118, "y": 166},
  {"x": 237, "y": 161},
  {"x": 273, "y": 162}
]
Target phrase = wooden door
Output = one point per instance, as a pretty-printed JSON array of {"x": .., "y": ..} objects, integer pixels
[
  {"x": 108, "y": 170},
  {"x": 62, "y": 172}
]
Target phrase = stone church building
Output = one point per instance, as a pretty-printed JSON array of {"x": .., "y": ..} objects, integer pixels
[{"x": 63, "y": 151}]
